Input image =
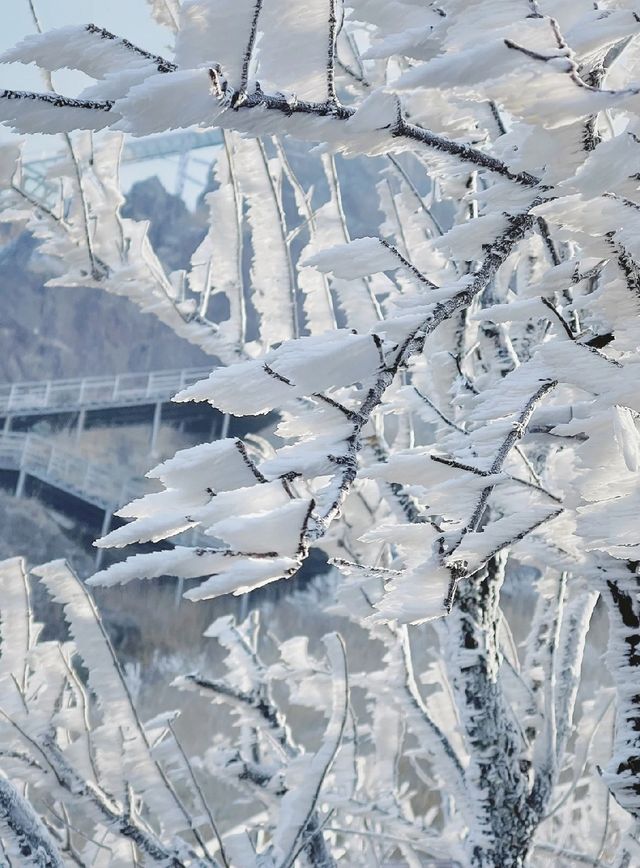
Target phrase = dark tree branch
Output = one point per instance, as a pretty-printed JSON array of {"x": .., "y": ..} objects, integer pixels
[
  {"x": 497, "y": 253},
  {"x": 401, "y": 129},
  {"x": 34, "y": 841},
  {"x": 554, "y": 310},
  {"x": 246, "y": 61},
  {"x": 458, "y": 570},
  {"x": 408, "y": 265},
  {"x": 438, "y": 412},
  {"x": 161, "y": 64},
  {"x": 57, "y": 100},
  {"x": 331, "y": 53}
]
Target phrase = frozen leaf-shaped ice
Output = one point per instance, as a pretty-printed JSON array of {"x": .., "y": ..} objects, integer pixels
[
  {"x": 181, "y": 562},
  {"x": 168, "y": 102},
  {"x": 279, "y": 530},
  {"x": 219, "y": 466},
  {"x": 627, "y": 436},
  {"x": 356, "y": 259},
  {"x": 297, "y": 368},
  {"x": 86, "y": 47},
  {"x": 242, "y": 575},
  {"x": 215, "y": 32},
  {"x": 50, "y": 113},
  {"x": 416, "y": 595}
]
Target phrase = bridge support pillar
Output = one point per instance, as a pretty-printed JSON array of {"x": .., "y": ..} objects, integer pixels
[
  {"x": 179, "y": 591},
  {"x": 104, "y": 530},
  {"x": 80, "y": 423},
  {"x": 22, "y": 476},
  {"x": 155, "y": 428},
  {"x": 8, "y": 419},
  {"x": 244, "y": 607}
]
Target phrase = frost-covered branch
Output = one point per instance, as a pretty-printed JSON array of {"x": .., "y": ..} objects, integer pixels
[
  {"x": 456, "y": 393},
  {"x": 35, "y": 844}
]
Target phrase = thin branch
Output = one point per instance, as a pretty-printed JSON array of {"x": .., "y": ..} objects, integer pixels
[
  {"x": 400, "y": 130},
  {"x": 246, "y": 61},
  {"x": 339, "y": 716},
  {"x": 30, "y": 199},
  {"x": 495, "y": 113},
  {"x": 32, "y": 837},
  {"x": 356, "y": 76},
  {"x": 438, "y": 412},
  {"x": 282, "y": 226},
  {"x": 203, "y": 801},
  {"x": 241, "y": 100},
  {"x": 408, "y": 265},
  {"x": 581, "y": 766},
  {"x": 161, "y": 64},
  {"x": 259, "y": 704},
  {"x": 411, "y": 688},
  {"x": 302, "y": 198},
  {"x": 580, "y": 858},
  {"x": 516, "y": 432},
  {"x": 554, "y": 310},
  {"x": 527, "y": 463},
  {"x": 458, "y": 570},
  {"x": 518, "y": 226},
  {"x": 331, "y": 53},
  {"x": 129, "y": 699},
  {"x": 414, "y": 190},
  {"x": 334, "y": 185},
  {"x": 519, "y": 536},
  {"x": 237, "y": 200},
  {"x": 548, "y": 241},
  {"x": 57, "y": 100},
  {"x": 84, "y": 703}
]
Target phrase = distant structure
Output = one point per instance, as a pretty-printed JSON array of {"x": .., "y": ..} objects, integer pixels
[
  {"x": 104, "y": 399},
  {"x": 32, "y": 463},
  {"x": 67, "y": 479},
  {"x": 38, "y": 182}
]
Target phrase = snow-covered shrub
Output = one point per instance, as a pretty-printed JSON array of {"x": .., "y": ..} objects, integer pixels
[{"x": 458, "y": 398}]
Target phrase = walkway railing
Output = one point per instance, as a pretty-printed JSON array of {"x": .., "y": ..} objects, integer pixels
[
  {"x": 97, "y": 484},
  {"x": 122, "y": 390}
]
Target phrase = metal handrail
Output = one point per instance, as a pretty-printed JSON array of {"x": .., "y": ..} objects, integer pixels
[
  {"x": 98, "y": 484},
  {"x": 96, "y": 392}
]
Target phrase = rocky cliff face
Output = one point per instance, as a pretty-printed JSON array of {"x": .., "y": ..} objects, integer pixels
[
  {"x": 175, "y": 232},
  {"x": 58, "y": 333}
]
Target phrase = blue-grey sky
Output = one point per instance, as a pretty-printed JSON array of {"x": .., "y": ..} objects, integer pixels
[{"x": 129, "y": 18}]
